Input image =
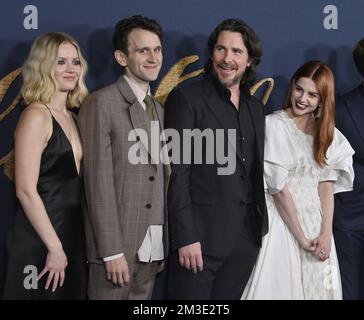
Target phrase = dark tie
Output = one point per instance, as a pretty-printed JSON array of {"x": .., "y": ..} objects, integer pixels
[{"x": 149, "y": 106}]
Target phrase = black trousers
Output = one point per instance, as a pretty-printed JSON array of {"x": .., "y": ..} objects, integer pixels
[
  {"x": 222, "y": 278},
  {"x": 350, "y": 252}
]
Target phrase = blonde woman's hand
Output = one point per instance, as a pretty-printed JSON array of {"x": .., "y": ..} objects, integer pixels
[{"x": 56, "y": 264}]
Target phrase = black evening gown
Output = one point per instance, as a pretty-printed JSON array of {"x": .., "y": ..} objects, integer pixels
[{"x": 61, "y": 188}]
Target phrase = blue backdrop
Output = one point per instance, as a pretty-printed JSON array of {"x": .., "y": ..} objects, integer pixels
[{"x": 291, "y": 32}]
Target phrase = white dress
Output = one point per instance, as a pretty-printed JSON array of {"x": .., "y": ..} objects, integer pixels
[{"x": 283, "y": 269}]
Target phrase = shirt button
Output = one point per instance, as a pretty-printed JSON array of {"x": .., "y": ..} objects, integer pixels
[
  {"x": 148, "y": 206},
  {"x": 151, "y": 178},
  {"x": 243, "y": 159}
]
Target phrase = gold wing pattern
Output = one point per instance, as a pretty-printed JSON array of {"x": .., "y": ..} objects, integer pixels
[
  {"x": 172, "y": 78},
  {"x": 4, "y": 86},
  {"x": 8, "y": 160}
]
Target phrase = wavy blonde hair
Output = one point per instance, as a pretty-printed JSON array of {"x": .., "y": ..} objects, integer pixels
[{"x": 38, "y": 71}]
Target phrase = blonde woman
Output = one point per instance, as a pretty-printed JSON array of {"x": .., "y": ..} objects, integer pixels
[{"x": 47, "y": 239}]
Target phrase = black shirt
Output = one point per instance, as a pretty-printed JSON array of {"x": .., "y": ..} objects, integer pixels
[{"x": 241, "y": 120}]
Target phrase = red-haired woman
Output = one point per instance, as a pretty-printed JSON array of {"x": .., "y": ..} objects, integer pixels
[{"x": 307, "y": 160}]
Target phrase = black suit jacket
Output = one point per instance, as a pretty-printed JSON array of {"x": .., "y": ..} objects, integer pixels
[
  {"x": 202, "y": 205},
  {"x": 349, "y": 117}
]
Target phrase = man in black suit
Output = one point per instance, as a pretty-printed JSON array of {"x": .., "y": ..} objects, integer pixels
[
  {"x": 349, "y": 206},
  {"x": 218, "y": 215}
]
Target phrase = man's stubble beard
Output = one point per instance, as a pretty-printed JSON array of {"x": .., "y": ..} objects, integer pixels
[{"x": 228, "y": 83}]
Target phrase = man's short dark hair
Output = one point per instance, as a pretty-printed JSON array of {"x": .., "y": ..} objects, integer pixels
[
  {"x": 125, "y": 26},
  {"x": 251, "y": 42},
  {"x": 358, "y": 56}
]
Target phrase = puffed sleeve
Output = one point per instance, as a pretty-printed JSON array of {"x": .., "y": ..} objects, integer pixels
[
  {"x": 339, "y": 164},
  {"x": 279, "y": 153}
]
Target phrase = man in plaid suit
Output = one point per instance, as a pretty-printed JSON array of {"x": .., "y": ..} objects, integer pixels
[{"x": 126, "y": 213}]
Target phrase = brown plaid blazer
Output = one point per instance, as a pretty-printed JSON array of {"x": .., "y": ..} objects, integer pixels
[{"x": 117, "y": 191}]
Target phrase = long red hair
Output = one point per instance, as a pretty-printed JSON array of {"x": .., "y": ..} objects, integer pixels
[{"x": 322, "y": 76}]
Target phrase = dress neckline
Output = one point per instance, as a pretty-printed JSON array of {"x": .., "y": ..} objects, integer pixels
[
  {"x": 69, "y": 144},
  {"x": 78, "y": 170},
  {"x": 293, "y": 125}
]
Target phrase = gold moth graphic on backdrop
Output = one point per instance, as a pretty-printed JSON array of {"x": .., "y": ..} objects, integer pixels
[{"x": 173, "y": 77}]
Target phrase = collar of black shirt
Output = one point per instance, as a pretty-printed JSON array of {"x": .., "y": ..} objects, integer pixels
[{"x": 225, "y": 92}]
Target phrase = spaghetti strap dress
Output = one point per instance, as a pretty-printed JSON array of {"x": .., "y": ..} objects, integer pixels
[{"x": 60, "y": 187}]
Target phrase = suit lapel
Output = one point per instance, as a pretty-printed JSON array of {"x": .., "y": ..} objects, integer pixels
[
  {"x": 258, "y": 127},
  {"x": 211, "y": 96},
  {"x": 160, "y": 115},
  {"x": 355, "y": 108},
  {"x": 219, "y": 112},
  {"x": 138, "y": 116}
]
